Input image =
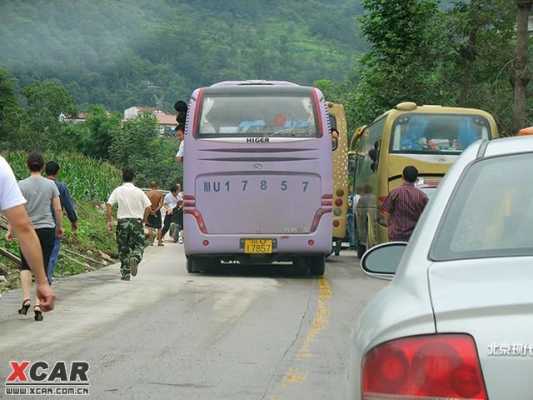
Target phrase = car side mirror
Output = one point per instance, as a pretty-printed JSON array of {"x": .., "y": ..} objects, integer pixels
[{"x": 382, "y": 261}]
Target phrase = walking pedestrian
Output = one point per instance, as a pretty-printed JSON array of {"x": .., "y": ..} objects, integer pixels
[
  {"x": 12, "y": 205},
  {"x": 404, "y": 205},
  {"x": 170, "y": 203},
  {"x": 154, "y": 219},
  {"x": 67, "y": 205},
  {"x": 44, "y": 209},
  {"x": 133, "y": 210}
]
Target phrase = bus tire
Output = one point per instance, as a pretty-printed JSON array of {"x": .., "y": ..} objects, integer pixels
[
  {"x": 192, "y": 267},
  {"x": 317, "y": 265}
]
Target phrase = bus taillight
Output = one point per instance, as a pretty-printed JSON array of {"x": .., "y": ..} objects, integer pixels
[
  {"x": 318, "y": 112},
  {"x": 199, "y": 219},
  {"x": 339, "y": 202},
  {"x": 318, "y": 215},
  {"x": 197, "y": 112},
  {"x": 327, "y": 200}
]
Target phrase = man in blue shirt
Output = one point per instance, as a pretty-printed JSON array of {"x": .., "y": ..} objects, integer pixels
[{"x": 67, "y": 204}]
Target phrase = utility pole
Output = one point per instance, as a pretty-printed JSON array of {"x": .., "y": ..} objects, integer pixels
[{"x": 521, "y": 70}]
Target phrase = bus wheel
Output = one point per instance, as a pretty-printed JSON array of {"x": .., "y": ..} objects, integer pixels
[
  {"x": 192, "y": 265},
  {"x": 317, "y": 265}
]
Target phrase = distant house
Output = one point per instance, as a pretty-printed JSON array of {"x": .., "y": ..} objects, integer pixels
[
  {"x": 167, "y": 122},
  {"x": 73, "y": 119}
]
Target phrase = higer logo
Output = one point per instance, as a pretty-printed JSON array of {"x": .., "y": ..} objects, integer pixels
[
  {"x": 42, "y": 378},
  {"x": 262, "y": 139}
]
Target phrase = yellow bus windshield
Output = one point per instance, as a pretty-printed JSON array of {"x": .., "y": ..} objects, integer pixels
[{"x": 437, "y": 133}]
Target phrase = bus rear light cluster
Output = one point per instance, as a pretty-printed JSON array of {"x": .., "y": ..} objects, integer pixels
[
  {"x": 336, "y": 223},
  {"x": 199, "y": 219},
  {"x": 339, "y": 202},
  {"x": 327, "y": 200},
  {"x": 340, "y": 193},
  {"x": 318, "y": 216},
  {"x": 318, "y": 112},
  {"x": 337, "y": 212},
  {"x": 424, "y": 367},
  {"x": 197, "y": 112}
]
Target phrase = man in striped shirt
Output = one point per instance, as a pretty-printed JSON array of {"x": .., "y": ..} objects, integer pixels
[{"x": 404, "y": 205}]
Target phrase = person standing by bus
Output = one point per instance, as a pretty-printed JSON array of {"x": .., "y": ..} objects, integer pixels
[
  {"x": 133, "y": 209},
  {"x": 180, "y": 135},
  {"x": 67, "y": 204},
  {"x": 12, "y": 205},
  {"x": 154, "y": 219},
  {"x": 170, "y": 204},
  {"x": 404, "y": 205},
  {"x": 44, "y": 208}
]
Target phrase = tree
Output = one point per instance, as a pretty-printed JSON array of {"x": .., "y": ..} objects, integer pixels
[
  {"x": 101, "y": 127},
  {"x": 10, "y": 110},
  {"x": 521, "y": 70},
  {"x": 46, "y": 102},
  {"x": 404, "y": 37}
]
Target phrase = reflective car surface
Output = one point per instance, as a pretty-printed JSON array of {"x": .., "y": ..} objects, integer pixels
[{"x": 456, "y": 322}]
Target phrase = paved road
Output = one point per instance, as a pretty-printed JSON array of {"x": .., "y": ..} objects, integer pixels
[{"x": 248, "y": 333}]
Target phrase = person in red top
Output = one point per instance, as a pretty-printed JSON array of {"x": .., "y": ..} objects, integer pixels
[{"x": 404, "y": 205}]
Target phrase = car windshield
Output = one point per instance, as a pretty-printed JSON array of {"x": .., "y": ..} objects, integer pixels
[
  {"x": 491, "y": 213},
  {"x": 437, "y": 134},
  {"x": 282, "y": 116}
]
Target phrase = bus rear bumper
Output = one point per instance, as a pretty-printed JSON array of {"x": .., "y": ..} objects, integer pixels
[{"x": 285, "y": 246}]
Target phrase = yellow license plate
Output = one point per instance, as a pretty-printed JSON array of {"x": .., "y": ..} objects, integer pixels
[{"x": 258, "y": 246}]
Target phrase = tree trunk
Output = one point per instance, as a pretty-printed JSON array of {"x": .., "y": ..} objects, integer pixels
[{"x": 521, "y": 71}]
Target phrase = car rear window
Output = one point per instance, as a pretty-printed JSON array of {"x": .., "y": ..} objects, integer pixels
[{"x": 490, "y": 213}]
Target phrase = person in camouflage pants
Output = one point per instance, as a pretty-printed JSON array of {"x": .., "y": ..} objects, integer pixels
[
  {"x": 130, "y": 241},
  {"x": 133, "y": 210}
]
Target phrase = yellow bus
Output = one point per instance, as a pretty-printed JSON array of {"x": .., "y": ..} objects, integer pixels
[
  {"x": 429, "y": 137},
  {"x": 339, "y": 133}
]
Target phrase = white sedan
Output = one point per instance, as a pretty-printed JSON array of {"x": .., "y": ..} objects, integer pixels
[{"x": 456, "y": 322}]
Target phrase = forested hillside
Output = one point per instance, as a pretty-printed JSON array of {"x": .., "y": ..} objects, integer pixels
[{"x": 120, "y": 53}]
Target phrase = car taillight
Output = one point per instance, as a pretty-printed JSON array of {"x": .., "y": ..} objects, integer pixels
[{"x": 424, "y": 367}]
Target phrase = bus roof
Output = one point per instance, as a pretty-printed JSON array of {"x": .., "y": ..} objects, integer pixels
[
  {"x": 410, "y": 107},
  {"x": 256, "y": 82},
  {"x": 253, "y": 89}
]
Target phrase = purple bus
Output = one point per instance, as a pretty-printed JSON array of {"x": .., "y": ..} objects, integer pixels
[{"x": 257, "y": 176}]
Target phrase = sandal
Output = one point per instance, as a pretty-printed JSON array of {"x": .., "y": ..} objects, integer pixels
[
  {"x": 38, "y": 313},
  {"x": 26, "y": 303}
]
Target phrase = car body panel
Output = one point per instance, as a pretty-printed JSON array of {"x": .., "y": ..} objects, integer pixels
[
  {"x": 477, "y": 297},
  {"x": 495, "y": 306}
]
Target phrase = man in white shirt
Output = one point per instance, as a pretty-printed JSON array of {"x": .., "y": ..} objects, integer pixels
[
  {"x": 12, "y": 206},
  {"x": 180, "y": 134},
  {"x": 171, "y": 204},
  {"x": 133, "y": 210}
]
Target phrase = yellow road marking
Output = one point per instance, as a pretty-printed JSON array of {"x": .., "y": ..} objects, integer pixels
[
  {"x": 293, "y": 376},
  {"x": 320, "y": 320}
]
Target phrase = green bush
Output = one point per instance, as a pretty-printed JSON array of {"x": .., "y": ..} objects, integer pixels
[{"x": 86, "y": 179}]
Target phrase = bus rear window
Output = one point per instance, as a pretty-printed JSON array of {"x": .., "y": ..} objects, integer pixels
[
  {"x": 437, "y": 134},
  {"x": 273, "y": 116}
]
